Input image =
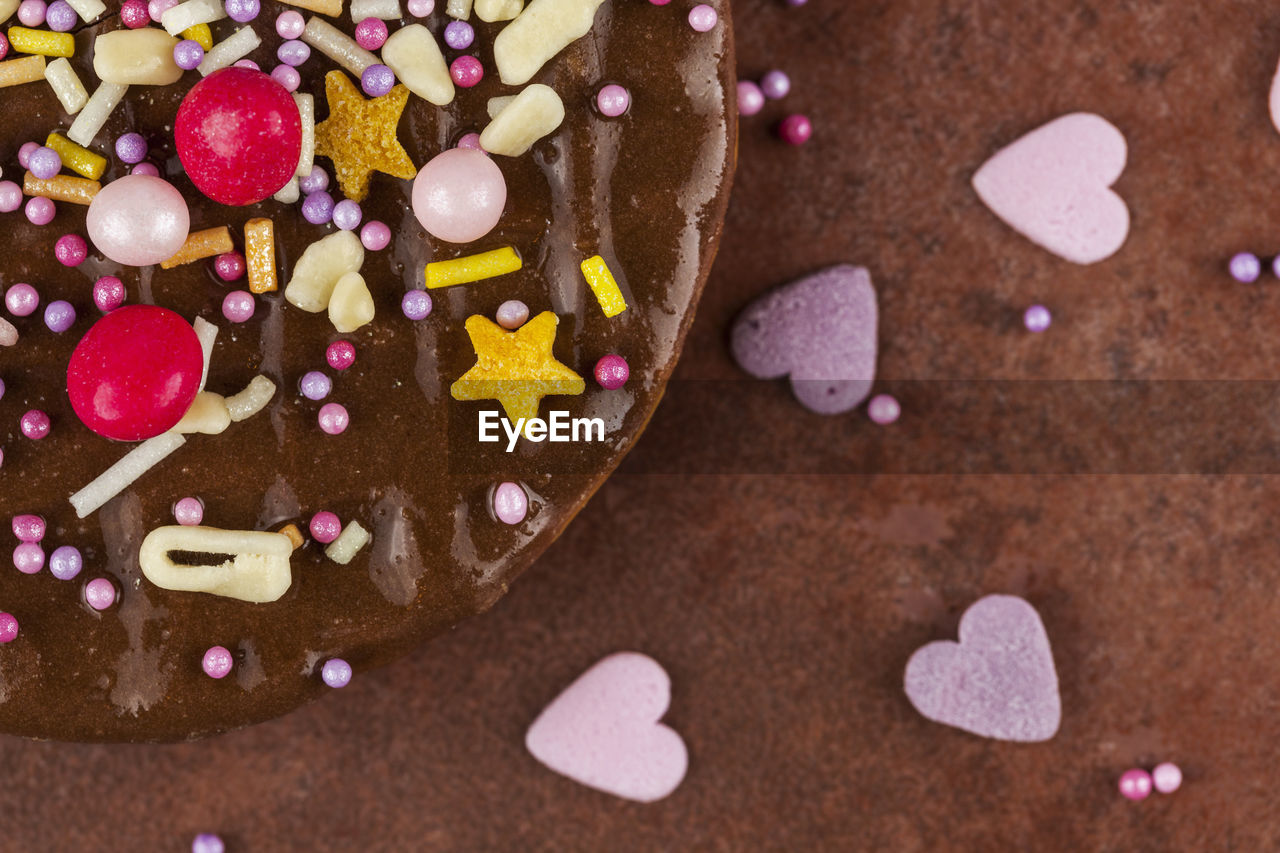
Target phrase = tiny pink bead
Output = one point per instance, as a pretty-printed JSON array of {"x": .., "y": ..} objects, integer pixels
[
  {"x": 237, "y": 306},
  {"x": 28, "y": 527},
  {"x": 188, "y": 512},
  {"x": 325, "y": 527},
  {"x": 134, "y": 14},
  {"x": 8, "y": 628},
  {"x": 340, "y": 354},
  {"x": 1167, "y": 777},
  {"x": 230, "y": 266},
  {"x": 466, "y": 71},
  {"x": 248, "y": 63},
  {"x": 157, "y": 8},
  {"x": 1135, "y": 784},
  {"x": 512, "y": 314},
  {"x": 144, "y": 168},
  {"x": 750, "y": 98},
  {"x": 510, "y": 503},
  {"x": 375, "y": 235},
  {"x": 28, "y": 558},
  {"x": 25, "y": 152},
  {"x": 612, "y": 372},
  {"x": 371, "y": 33},
  {"x": 420, "y": 8},
  {"x": 659, "y": 2},
  {"x": 287, "y": 76},
  {"x": 108, "y": 293},
  {"x": 22, "y": 300},
  {"x": 289, "y": 25},
  {"x": 40, "y": 210},
  {"x": 883, "y": 409},
  {"x": 4, "y": 46},
  {"x": 70, "y": 250},
  {"x": 613, "y": 100},
  {"x": 35, "y": 424},
  {"x": 333, "y": 418},
  {"x": 31, "y": 13},
  {"x": 217, "y": 662},
  {"x": 469, "y": 140},
  {"x": 795, "y": 129},
  {"x": 703, "y": 18},
  {"x": 11, "y": 196},
  {"x": 100, "y": 593}
]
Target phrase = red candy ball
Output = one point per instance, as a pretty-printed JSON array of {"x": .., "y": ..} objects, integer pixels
[
  {"x": 135, "y": 372},
  {"x": 239, "y": 136}
]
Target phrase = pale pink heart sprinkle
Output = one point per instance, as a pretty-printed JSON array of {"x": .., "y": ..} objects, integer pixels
[
  {"x": 603, "y": 730},
  {"x": 1053, "y": 186},
  {"x": 997, "y": 682}
]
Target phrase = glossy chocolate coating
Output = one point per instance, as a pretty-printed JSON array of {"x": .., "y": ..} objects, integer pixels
[{"x": 647, "y": 191}]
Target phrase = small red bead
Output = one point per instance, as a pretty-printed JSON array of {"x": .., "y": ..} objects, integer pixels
[{"x": 135, "y": 372}]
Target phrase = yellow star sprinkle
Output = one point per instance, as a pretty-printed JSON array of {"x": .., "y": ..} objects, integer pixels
[
  {"x": 515, "y": 368},
  {"x": 359, "y": 135}
]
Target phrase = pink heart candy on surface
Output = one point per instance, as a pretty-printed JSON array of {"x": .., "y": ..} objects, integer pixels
[
  {"x": 603, "y": 730},
  {"x": 997, "y": 682},
  {"x": 1053, "y": 186}
]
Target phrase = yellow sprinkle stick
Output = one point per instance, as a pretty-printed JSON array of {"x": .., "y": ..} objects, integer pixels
[
  {"x": 200, "y": 34},
  {"x": 602, "y": 283},
  {"x": 77, "y": 158},
  {"x": 42, "y": 42},
  {"x": 15, "y": 72},
  {"x": 61, "y": 188},
  {"x": 200, "y": 245},
  {"x": 473, "y": 268},
  {"x": 260, "y": 255}
]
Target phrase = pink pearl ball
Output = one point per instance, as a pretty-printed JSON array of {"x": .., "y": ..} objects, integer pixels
[
  {"x": 188, "y": 512},
  {"x": 750, "y": 98},
  {"x": 287, "y": 76},
  {"x": 10, "y": 196},
  {"x": 612, "y": 372},
  {"x": 247, "y": 63},
  {"x": 290, "y": 24},
  {"x": 469, "y": 140},
  {"x": 100, "y": 593},
  {"x": 31, "y": 13},
  {"x": 375, "y": 236},
  {"x": 459, "y": 195},
  {"x": 138, "y": 220},
  {"x": 510, "y": 503},
  {"x": 40, "y": 210},
  {"x": 217, "y": 662},
  {"x": 28, "y": 558},
  {"x": 333, "y": 418},
  {"x": 238, "y": 306},
  {"x": 108, "y": 293},
  {"x": 466, "y": 71},
  {"x": 28, "y": 527},
  {"x": 613, "y": 100},
  {"x": 8, "y": 628},
  {"x": 1167, "y": 777},
  {"x": 420, "y": 8},
  {"x": 70, "y": 250},
  {"x": 22, "y": 300},
  {"x": 157, "y": 8},
  {"x": 883, "y": 409},
  {"x": 703, "y": 18},
  {"x": 148, "y": 169},
  {"x": 1135, "y": 784},
  {"x": 35, "y": 424},
  {"x": 795, "y": 129},
  {"x": 340, "y": 354},
  {"x": 325, "y": 527},
  {"x": 371, "y": 33},
  {"x": 512, "y": 314},
  {"x": 230, "y": 266}
]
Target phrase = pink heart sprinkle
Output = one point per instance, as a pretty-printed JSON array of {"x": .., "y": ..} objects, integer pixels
[
  {"x": 1053, "y": 186},
  {"x": 997, "y": 682},
  {"x": 603, "y": 730}
]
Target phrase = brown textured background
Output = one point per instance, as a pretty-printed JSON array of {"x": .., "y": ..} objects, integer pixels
[{"x": 785, "y": 607}]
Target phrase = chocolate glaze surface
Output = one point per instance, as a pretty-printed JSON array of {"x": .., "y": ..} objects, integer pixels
[{"x": 647, "y": 191}]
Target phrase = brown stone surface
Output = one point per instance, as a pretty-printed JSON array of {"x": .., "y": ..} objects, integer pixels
[{"x": 785, "y": 607}]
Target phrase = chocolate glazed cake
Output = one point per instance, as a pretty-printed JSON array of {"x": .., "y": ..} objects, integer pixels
[{"x": 646, "y": 191}]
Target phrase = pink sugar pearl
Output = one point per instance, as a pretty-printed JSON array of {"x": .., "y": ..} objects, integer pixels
[
  {"x": 230, "y": 266},
  {"x": 148, "y": 169},
  {"x": 510, "y": 503},
  {"x": 35, "y": 424},
  {"x": 466, "y": 71},
  {"x": 420, "y": 8},
  {"x": 238, "y": 306},
  {"x": 340, "y": 354},
  {"x": 333, "y": 418},
  {"x": 1135, "y": 784},
  {"x": 512, "y": 314},
  {"x": 22, "y": 300},
  {"x": 613, "y": 100},
  {"x": 1167, "y": 777},
  {"x": 375, "y": 236},
  {"x": 70, "y": 250},
  {"x": 612, "y": 372},
  {"x": 703, "y": 18},
  {"x": 188, "y": 512},
  {"x": 100, "y": 593},
  {"x": 138, "y": 220},
  {"x": 325, "y": 527},
  {"x": 371, "y": 33},
  {"x": 795, "y": 129},
  {"x": 8, "y": 628},
  {"x": 28, "y": 558},
  {"x": 40, "y": 210},
  {"x": 217, "y": 662},
  {"x": 108, "y": 293},
  {"x": 287, "y": 76},
  {"x": 469, "y": 140},
  {"x": 883, "y": 409},
  {"x": 11, "y": 196},
  {"x": 28, "y": 527},
  {"x": 290, "y": 24},
  {"x": 750, "y": 98},
  {"x": 157, "y": 8},
  {"x": 459, "y": 195}
]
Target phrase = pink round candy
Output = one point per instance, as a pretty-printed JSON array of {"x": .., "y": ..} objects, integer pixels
[
  {"x": 371, "y": 33},
  {"x": 70, "y": 250},
  {"x": 10, "y": 196},
  {"x": 333, "y": 418},
  {"x": 35, "y": 424},
  {"x": 469, "y": 140},
  {"x": 612, "y": 372},
  {"x": 28, "y": 527},
  {"x": 1167, "y": 777},
  {"x": 510, "y": 503},
  {"x": 466, "y": 71},
  {"x": 22, "y": 300},
  {"x": 883, "y": 409},
  {"x": 40, "y": 210},
  {"x": 148, "y": 169},
  {"x": 340, "y": 354},
  {"x": 613, "y": 100},
  {"x": 217, "y": 662},
  {"x": 8, "y": 628},
  {"x": 1135, "y": 784},
  {"x": 230, "y": 266},
  {"x": 100, "y": 593},
  {"x": 138, "y": 220},
  {"x": 459, "y": 195},
  {"x": 108, "y": 293},
  {"x": 703, "y": 18},
  {"x": 287, "y": 76},
  {"x": 375, "y": 236},
  {"x": 420, "y": 8},
  {"x": 795, "y": 129},
  {"x": 325, "y": 527},
  {"x": 188, "y": 512},
  {"x": 289, "y": 25},
  {"x": 157, "y": 8},
  {"x": 238, "y": 306},
  {"x": 28, "y": 558},
  {"x": 512, "y": 314}
]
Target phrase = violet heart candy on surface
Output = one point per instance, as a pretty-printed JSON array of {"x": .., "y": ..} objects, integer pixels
[
  {"x": 820, "y": 331},
  {"x": 997, "y": 682},
  {"x": 604, "y": 730},
  {"x": 1053, "y": 186}
]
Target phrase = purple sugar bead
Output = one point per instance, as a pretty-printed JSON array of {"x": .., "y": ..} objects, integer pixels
[
  {"x": 1245, "y": 268},
  {"x": 293, "y": 52},
  {"x": 336, "y": 672},
  {"x": 207, "y": 842},
  {"x": 459, "y": 35},
  {"x": 131, "y": 148},
  {"x": 243, "y": 11},
  {"x": 315, "y": 182},
  {"x": 416, "y": 304},
  {"x": 28, "y": 558},
  {"x": 8, "y": 628},
  {"x": 248, "y": 63},
  {"x": 22, "y": 300},
  {"x": 60, "y": 17},
  {"x": 65, "y": 562},
  {"x": 188, "y": 54},
  {"x": 59, "y": 316},
  {"x": 317, "y": 207},
  {"x": 314, "y": 385},
  {"x": 217, "y": 662},
  {"x": 775, "y": 84},
  {"x": 512, "y": 314},
  {"x": 347, "y": 215},
  {"x": 44, "y": 163},
  {"x": 1037, "y": 318},
  {"x": 377, "y": 80},
  {"x": 510, "y": 503}
]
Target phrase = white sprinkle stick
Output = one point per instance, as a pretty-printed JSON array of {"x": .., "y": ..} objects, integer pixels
[
  {"x": 236, "y": 46},
  {"x": 207, "y": 333},
  {"x": 121, "y": 475},
  {"x": 338, "y": 46},
  {"x": 95, "y": 113}
]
